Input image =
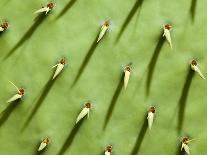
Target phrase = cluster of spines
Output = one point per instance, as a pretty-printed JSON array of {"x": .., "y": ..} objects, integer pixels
[{"x": 127, "y": 70}]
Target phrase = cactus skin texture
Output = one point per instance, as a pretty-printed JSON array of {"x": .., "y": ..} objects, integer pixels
[{"x": 30, "y": 46}]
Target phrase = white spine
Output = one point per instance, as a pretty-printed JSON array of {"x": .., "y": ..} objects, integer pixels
[
  {"x": 150, "y": 118},
  {"x": 44, "y": 9},
  {"x": 55, "y": 65},
  {"x": 193, "y": 67},
  {"x": 196, "y": 69},
  {"x": 48, "y": 9},
  {"x": 107, "y": 153},
  {"x": 103, "y": 31},
  {"x": 15, "y": 97},
  {"x": 15, "y": 86},
  {"x": 82, "y": 114},
  {"x": 186, "y": 148},
  {"x": 58, "y": 70},
  {"x": 42, "y": 146},
  {"x": 126, "y": 78},
  {"x": 88, "y": 114},
  {"x": 201, "y": 74},
  {"x": 168, "y": 37},
  {"x": 1, "y": 29}
]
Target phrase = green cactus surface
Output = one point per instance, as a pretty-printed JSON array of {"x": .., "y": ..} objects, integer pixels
[{"x": 94, "y": 72}]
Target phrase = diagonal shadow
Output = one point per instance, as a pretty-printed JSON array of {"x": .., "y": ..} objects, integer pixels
[
  {"x": 140, "y": 137},
  {"x": 40, "y": 100},
  {"x": 70, "y": 138},
  {"x": 38, "y": 20},
  {"x": 40, "y": 152},
  {"x": 183, "y": 98},
  {"x": 153, "y": 62},
  {"x": 66, "y": 8},
  {"x": 113, "y": 101},
  {"x": 179, "y": 152},
  {"x": 1, "y": 34},
  {"x": 193, "y": 9},
  {"x": 86, "y": 60},
  {"x": 6, "y": 113},
  {"x": 138, "y": 4}
]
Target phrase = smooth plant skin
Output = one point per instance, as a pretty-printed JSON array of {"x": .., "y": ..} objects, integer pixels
[{"x": 71, "y": 36}]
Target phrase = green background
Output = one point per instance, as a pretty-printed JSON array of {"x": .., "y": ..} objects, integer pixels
[{"x": 71, "y": 36}]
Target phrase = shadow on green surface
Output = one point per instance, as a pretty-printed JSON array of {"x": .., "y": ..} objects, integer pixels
[
  {"x": 6, "y": 113},
  {"x": 86, "y": 60},
  {"x": 193, "y": 9},
  {"x": 113, "y": 101},
  {"x": 140, "y": 137},
  {"x": 66, "y": 8},
  {"x": 40, "y": 100},
  {"x": 38, "y": 20},
  {"x": 1, "y": 34},
  {"x": 137, "y": 5},
  {"x": 183, "y": 98},
  {"x": 153, "y": 62},
  {"x": 70, "y": 137},
  {"x": 40, "y": 152}
]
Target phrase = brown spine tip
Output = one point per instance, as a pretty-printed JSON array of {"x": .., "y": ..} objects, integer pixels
[
  {"x": 88, "y": 105},
  {"x": 106, "y": 23},
  {"x": 127, "y": 68},
  {"x": 4, "y": 25},
  {"x": 185, "y": 140},
  {"x": 108, "y": 148},
  {"x": 46, "y": 140},
  {"x": 21, "y": 91},
  {"x": 194, "y": 62},
  {"x": 62, "y": 61},
  {"x": 151, "y": 109},
  {"x": 168, "y": 26},
  {"x": 50, "y": 5}
]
